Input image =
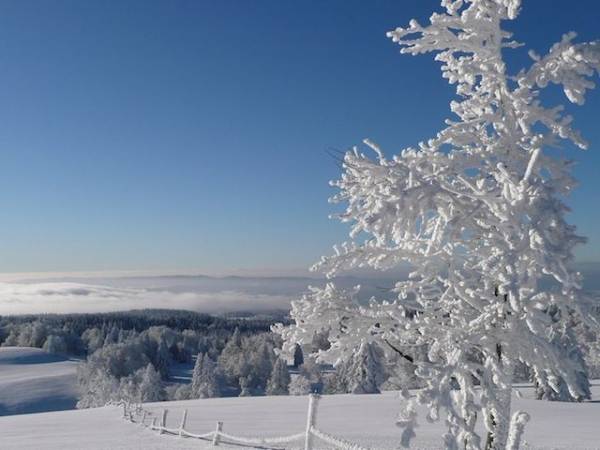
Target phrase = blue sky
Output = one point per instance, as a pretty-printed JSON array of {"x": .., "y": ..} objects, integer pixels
[{"x": 195, "y": 134}]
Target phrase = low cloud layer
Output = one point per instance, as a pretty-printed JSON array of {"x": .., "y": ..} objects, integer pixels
[
  {"x": 213, "y": 295},
  {"x": 69, "y": 297}
]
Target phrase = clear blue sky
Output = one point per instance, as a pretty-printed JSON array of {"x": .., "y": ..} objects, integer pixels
[{"x": 194, "y": 134}]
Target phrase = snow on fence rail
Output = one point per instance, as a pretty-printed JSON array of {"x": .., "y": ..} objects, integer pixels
[{"x": 137, "y": 414}]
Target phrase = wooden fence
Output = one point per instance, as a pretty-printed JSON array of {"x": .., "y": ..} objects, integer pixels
[{"x": 135, "y": 413}]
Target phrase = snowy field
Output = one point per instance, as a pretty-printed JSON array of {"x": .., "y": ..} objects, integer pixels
[
  {"x": 367, "y": 420},
  {"x": 32, "y": 380}
]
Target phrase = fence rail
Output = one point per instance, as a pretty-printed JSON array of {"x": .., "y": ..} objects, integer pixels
[{"x": 135, "y": 413}]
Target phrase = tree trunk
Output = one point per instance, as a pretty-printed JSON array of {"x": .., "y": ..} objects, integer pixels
[{"x": 497, "y": 438}]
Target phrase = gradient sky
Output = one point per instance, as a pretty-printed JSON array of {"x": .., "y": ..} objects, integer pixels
[{"x": 195, "y": 134}]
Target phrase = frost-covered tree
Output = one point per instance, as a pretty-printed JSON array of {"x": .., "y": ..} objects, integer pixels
[
  {"x": 99, "y": 377},
  {"x": 245, "y": 387},
  {"x": 280, "y": 378},
  {"x": 363, "y": 373},
  {"x": 150, "y": 388},
  {"x": 112, "y": 337},
  {"x": 96, "y": 388},
  {"x": 197, "y": 372},
  {"x": 55, "y": 344},
  {"x": 93, "y": 339},
  {"x": 30, "y": 335},
  {"x": 366, "y": 371},
  {"x": 261, "y": 364},
  {"x": 233, "y": 362},
  {"x": 162, "y": 360},
  {"x": 209, "y": 386},
  {"x": 129, "y": 388},
  {"x": 204, "y": 378},
  {"x": 478, "y": 213}
]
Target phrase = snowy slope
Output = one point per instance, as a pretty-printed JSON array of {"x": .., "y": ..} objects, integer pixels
[
  {"x": 367, "y": 419},
  {"x": 32, "y": 380}
]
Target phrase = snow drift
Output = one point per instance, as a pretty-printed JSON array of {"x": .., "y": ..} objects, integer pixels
[{"x": 32, "y": 380}]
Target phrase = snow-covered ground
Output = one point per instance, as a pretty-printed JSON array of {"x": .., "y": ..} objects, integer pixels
[
  {"x": 32, "y": 380},
  {"x": 367, "y": 420}
]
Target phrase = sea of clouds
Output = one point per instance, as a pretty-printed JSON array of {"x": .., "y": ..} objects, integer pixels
[
  {"x": 207, "y": 294},
  {"x": 211, "y": 295},
  {"x": 61, "y": 297}
]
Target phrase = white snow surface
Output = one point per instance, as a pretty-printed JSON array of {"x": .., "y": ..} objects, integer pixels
[
  {"x": 32, "y": 380},
  {"x": 364, "y": 419}
]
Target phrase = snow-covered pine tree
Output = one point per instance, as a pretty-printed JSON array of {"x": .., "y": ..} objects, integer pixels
[
  {"x": 478, "y": 213},
  {"x": 366, "y": 371},
  {"x": 129, "y": 387},
  {"x": 338, "y": 383},
  {"x": 197, "y": 375},
  {"x": 261, "y": 365},
  {"x": 232, "y": 360},
  {"x": 298, "y": 356},
  {"x": 204, "y": 378},
  {"x": 150, "y": 388},
  {"x": 162, "y": 361},
  {"x": 209, "y": 386},
  {"x": 280, "y": 378}
]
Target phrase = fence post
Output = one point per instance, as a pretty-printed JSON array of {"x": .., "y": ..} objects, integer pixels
[
  {"x": 163, "y": 421},
  {"x": 182, "y": 425},
  {"x": 153, "y": 426},
  {"x": 311, "y": 420},
  {"x": 124, "y": 410},
  {"x": 217, "y": 436}
]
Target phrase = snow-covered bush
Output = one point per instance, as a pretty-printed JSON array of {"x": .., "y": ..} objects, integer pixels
[
  {"x": 181, "y": 392},
  {"x": 477, "y": 212}
]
